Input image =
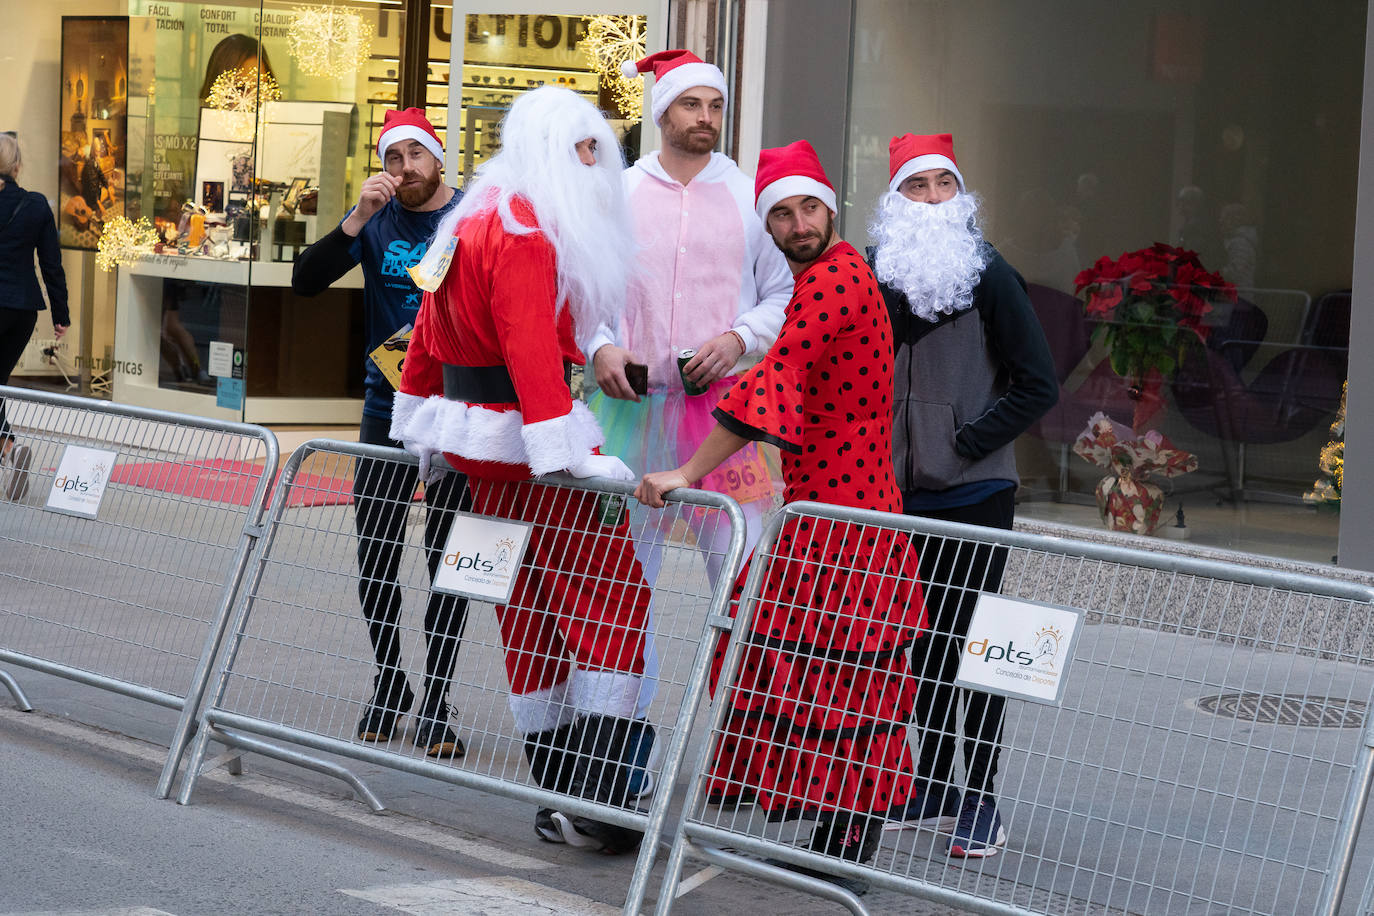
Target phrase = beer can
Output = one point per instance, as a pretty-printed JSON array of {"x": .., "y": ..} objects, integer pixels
[
  {"x": 684, "y": 357},
  {"x": 609, "y": 509}
]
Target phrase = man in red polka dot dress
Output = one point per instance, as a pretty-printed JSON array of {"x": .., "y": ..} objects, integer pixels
[{"x": 816, "y": 726}]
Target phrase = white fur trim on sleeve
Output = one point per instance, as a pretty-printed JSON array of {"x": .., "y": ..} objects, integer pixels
[
  {"x": 552, "y": 445},
  {"x": 483, "y": 434},
  {"x": 403, "y": 408}
]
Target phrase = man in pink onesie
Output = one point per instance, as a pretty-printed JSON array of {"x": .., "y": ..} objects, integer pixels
[{"x": 710, "y": 280}]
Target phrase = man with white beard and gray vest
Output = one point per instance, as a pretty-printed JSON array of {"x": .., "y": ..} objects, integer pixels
[{"x": 972, "y": 372}]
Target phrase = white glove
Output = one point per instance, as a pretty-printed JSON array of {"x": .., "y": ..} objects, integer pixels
[
  {"x": 602, "y": 466},
  {"x": 428, "y": 473}
]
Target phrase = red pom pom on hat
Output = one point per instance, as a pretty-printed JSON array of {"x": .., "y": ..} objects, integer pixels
[
  {"x": 410, "y": 124},
  {"x": 786, "y": 171},
  {"x": 912, "y": 153}
]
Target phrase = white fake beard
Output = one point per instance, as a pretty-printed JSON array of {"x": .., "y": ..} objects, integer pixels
[
  {"x": 581, "y": 209},
  {"x": 932, "y": 253}
]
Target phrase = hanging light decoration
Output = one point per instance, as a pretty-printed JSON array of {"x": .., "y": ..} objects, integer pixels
[
  {"x": 329, "y": 41},
  {"x": 123, "y": 242},
  {"x": 610, "y": 41},
  {"x": 239, "y": 92}
]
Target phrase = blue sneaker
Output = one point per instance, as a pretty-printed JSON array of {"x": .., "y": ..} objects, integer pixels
[
  {"x": 640, "y": 748},
  {"x": 928, "y": 809},
  {"x": 979, "y": 833}
]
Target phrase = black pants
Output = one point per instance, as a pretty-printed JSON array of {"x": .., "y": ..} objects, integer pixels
[
  {"x": 382, "y": 494},
  {"x": 16, "y": 327},
  {"x": 953, "y": 572}
]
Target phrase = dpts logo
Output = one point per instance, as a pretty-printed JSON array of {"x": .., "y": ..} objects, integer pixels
[
  {"x": 71, "y": 484},
  {"x": 1044, "y": 649},
  {"x": 75, "y": 484},
  {"x": 474, "y": 562}
]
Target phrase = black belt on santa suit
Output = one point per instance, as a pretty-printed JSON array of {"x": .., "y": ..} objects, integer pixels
[{"x": 485, "y": 384}]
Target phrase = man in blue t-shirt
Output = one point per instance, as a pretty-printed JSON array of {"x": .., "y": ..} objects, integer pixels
[{"x": 388, "y": 231}]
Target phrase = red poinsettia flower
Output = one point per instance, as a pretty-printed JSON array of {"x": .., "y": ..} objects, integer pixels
[
  {"x": 1101, "y": 302},
  {"x": 1143, "y": 296}
]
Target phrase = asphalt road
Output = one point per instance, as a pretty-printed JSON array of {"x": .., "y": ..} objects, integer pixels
[{"x": 82, "y": 834}]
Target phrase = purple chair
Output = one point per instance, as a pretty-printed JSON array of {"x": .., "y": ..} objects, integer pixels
[{"x": 1295, "y": 391}]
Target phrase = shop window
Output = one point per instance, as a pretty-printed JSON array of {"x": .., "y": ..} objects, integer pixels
[{"x": 1092, "y": 130}]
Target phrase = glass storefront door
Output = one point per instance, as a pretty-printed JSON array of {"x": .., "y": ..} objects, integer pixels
[{"x": 1092, "y": 130}]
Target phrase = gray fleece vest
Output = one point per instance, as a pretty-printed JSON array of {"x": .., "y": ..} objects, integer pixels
[{"x": 945, "y": 380}]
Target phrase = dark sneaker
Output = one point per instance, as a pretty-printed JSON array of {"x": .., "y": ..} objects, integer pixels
[
  {"x": 546, "y": 827},
  {"x": 642, "y": 759},
  {"x": 19, "y": 459},
  {"x": 379, "y": 722},
  {"x": 741, "y": 799},
  {"x": 434, "y": 735},
  {"x": 979, "y": 833},
  {"x": 585, "y": 833},
  {"x": 928, "y": 809},
  {"x": 850, "y": 838}
]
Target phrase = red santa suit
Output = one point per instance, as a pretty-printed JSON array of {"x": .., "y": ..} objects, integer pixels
[{"x": 580, "y": 597}]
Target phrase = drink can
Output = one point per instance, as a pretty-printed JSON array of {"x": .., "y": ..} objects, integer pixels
[
  {"x": 684, "y": 357},
  {"x": 609, "y": 509}
]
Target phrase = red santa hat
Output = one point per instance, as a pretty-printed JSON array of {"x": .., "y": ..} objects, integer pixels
[
  {"x": 787, "y": 171},
  {"x": 909, "y": 154},
  {"x": 674, "y": 73},
  {"x": 410, "y": 124}
]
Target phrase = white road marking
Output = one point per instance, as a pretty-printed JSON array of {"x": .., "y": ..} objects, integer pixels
[
  {"x": 124, "y": 911},
  {"x": 449, "y": 838},
  {"x": 488, "y": 896}
]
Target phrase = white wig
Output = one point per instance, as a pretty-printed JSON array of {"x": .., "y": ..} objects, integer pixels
[
  {"x": 581, "y": 209},
  {"x": 932, "y": 253}
]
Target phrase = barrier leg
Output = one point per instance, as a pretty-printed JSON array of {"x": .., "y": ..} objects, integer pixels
[
  {"x": 267, "y": 749},
  {"x": 20, "y": 700},
  {"x": 1348, "y": 829}
]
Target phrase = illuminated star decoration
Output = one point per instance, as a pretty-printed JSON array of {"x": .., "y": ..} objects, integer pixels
[
  {"x": 329, "y": 41},
  {"x": 240, "y": 92},
  {"x": 610, "y": 41},
  {"x": 124, "y": 241}
]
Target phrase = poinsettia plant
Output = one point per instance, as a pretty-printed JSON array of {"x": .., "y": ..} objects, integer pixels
[{"x": 1150, "y": 303}]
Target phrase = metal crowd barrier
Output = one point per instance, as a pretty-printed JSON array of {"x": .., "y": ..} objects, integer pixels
[
  {"x": 296, "y": 676},
  {"x": 124, "y": 541},
  {"x": 1211, "y": 751}
]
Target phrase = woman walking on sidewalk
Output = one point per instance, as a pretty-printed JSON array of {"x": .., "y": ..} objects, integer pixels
[{"x": 26, "y": 226}]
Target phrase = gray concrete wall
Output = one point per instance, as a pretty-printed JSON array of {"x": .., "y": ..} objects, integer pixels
[{"x": 806, "y": 88}]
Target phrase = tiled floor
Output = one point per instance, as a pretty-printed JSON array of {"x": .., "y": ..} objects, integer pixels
[{"x": 1290, "y": 532}]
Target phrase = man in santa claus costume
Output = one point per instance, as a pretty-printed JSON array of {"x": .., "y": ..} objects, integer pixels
[
  {"x": 817, "y": 720},
  {"x": 973, "y": 372},
  {"x": 521, "y": 273},
  {"x": 710, "y": 280}
]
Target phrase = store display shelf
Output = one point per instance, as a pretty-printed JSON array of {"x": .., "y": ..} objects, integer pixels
[{"x": 235, "y": 273}]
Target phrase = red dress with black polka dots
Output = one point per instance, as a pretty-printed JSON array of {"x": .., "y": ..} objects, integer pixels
[{"x": 818, "y": 715}]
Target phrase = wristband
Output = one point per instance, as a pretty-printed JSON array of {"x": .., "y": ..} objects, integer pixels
[{"x": 742, "y": 348}]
